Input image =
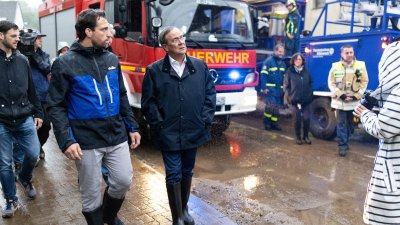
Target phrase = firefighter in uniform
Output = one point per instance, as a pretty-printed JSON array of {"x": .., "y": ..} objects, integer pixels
[
  {"x": 347, "y": 81},
  {"x": 272, "y": 74},
  {"x": 292, "y": 28}
]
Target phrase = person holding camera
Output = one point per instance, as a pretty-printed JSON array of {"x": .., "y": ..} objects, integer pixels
[
  {"x": 31, "y": 47},
  {"x": 347, "y": 81},
  {"x": 20, "y": 116},
  {"x": 382, "y": 200}
]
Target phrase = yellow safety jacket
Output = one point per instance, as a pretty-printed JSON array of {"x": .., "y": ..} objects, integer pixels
[{"x": 351, "y": 80}]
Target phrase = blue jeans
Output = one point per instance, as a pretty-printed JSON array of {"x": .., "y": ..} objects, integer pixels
[
  {"x": 105, "y": 173},
  {"x": 25, "y": 135},
  {"x": 344, "y": 127},
  {"x": 178, "y": 164}
]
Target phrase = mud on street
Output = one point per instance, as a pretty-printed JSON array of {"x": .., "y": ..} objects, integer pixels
[
  {"x": 251, "y": 176},
  {"x": 255, "y": 176}
]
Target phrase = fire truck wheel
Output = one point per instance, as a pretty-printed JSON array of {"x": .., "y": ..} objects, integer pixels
[
  {"x": 323, "y": 120},
  {"x": 219, "y": 125}
]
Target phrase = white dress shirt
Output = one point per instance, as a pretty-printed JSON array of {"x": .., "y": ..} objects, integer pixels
[{"x": 177, "y": 66}]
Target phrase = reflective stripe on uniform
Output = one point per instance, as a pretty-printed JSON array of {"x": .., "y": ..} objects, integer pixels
[
  {"x": 282, "y": 69},
  {"x": 273, "y": 69},
  {"x": 275, "y": 119},
  {"x": 267, "y": 115},
  {"x": 264, "y": 71},
  {"x": 270, "y": 85}
]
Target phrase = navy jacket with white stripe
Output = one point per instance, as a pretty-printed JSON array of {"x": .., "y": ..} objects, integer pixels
[{"x": 87, "y": 101}]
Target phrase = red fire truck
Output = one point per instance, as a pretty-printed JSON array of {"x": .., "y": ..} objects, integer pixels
[{"x": 218, "y": 31}]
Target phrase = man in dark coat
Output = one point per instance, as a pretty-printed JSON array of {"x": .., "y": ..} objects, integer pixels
[
  {"x": 20, "y": 116},
  {"x": 178, "y": 101}
]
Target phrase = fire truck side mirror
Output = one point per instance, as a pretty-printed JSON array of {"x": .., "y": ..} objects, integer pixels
[
  {"x": 156, "y": 22},
  {"x": 165, "y": 2}
]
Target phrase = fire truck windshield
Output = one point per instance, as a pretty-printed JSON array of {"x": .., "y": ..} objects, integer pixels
[{"x": 208, "y": 21}]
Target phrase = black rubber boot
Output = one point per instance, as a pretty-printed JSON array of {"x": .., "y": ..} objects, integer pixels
[
  {"x": 111, "y": 206},
  {"x": 175, "y": 203},
  {"x": 95, "y": 217},
  {"x": 186, "y": 185}
]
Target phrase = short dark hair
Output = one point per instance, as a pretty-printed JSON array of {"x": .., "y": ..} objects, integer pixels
[
  {"x": 164, "y": 32},
  {"x": 87, "y": 19},
  {"x": 345, "y": 46},
  {"x": 295, "y": 56},
  {"x": 5, "y": 26}
]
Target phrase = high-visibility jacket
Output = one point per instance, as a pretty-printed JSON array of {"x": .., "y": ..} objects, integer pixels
[
  {"x": 351, "y": 80},
  {"x": 292, "y": 23},
  {"x": 272, "y": 74}
]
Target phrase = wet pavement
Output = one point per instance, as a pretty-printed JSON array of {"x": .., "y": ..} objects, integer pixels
[
  {"x": 58, "y": 199},
  {"x": 262, "y": 177}
]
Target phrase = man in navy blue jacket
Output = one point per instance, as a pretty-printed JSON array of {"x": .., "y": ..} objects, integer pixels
[
  {"x": 90, "y": 112},
  {"x": 178, "y": 101}
]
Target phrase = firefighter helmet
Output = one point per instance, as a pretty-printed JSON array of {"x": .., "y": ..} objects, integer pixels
[{"x": 290, "y": 2}]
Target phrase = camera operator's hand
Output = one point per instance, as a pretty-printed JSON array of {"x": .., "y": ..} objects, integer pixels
[{"x": 359, "y": 110}]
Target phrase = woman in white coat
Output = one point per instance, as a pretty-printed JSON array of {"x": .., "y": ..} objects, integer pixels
[{"x": 382, "y": 203}]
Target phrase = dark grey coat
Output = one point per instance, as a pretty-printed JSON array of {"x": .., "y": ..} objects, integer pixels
[{"x": 179, "y": 109}]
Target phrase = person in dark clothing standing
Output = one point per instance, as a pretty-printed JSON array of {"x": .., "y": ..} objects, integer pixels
[
  {"x": 292, "y": 28},
  {"x": 178, "y": 101},
  {"x": 40, "y": 65},
  {"x": 271, "y": 80},
  {"x": 18, "y": 103},
  {"x": 299, "y": 94},
  {"x": 90, "y": 112}
]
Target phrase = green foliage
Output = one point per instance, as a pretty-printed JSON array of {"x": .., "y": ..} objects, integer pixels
[{"x": 30, "y": 15}]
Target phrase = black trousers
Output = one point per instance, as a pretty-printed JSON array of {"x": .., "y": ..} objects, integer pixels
[
  {"x": 44, "y": 131},
  {"x": 301, "y": 117}
]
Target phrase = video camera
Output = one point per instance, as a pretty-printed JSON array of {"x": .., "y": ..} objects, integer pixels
[
  {"x": 26, "y": 45},
  {"x": 368, "y": 101}
]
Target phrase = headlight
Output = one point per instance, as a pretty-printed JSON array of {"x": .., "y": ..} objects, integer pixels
[
  {"x": 234, "y": 75},
  {"x": 250, "y": 78}
]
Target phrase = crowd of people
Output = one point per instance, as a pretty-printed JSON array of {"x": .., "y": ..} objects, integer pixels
[
  {"x": 37, "y": 92},
  {"x": 60, "y": 92}
]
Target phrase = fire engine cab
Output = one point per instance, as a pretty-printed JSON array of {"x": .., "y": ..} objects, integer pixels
[{"x": 220, "y": 32}]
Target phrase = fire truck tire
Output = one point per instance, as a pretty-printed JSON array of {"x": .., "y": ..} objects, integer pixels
[
  {"x": 219, "y": 125},
  {"x": 323, "y": 120}
]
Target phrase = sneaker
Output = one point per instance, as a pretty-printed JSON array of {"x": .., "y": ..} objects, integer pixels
[
  {"x": 298, "y": 141},
  {"x": 343, "y": 151},
  {"x": 42, "y": 155},
  {"x": 307, "y": 140},
  {"x": 29, "y": 188},
  {"x": 10, "y": 208}
]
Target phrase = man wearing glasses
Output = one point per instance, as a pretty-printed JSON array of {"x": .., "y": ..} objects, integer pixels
[{"x": 178, "y": 101}]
